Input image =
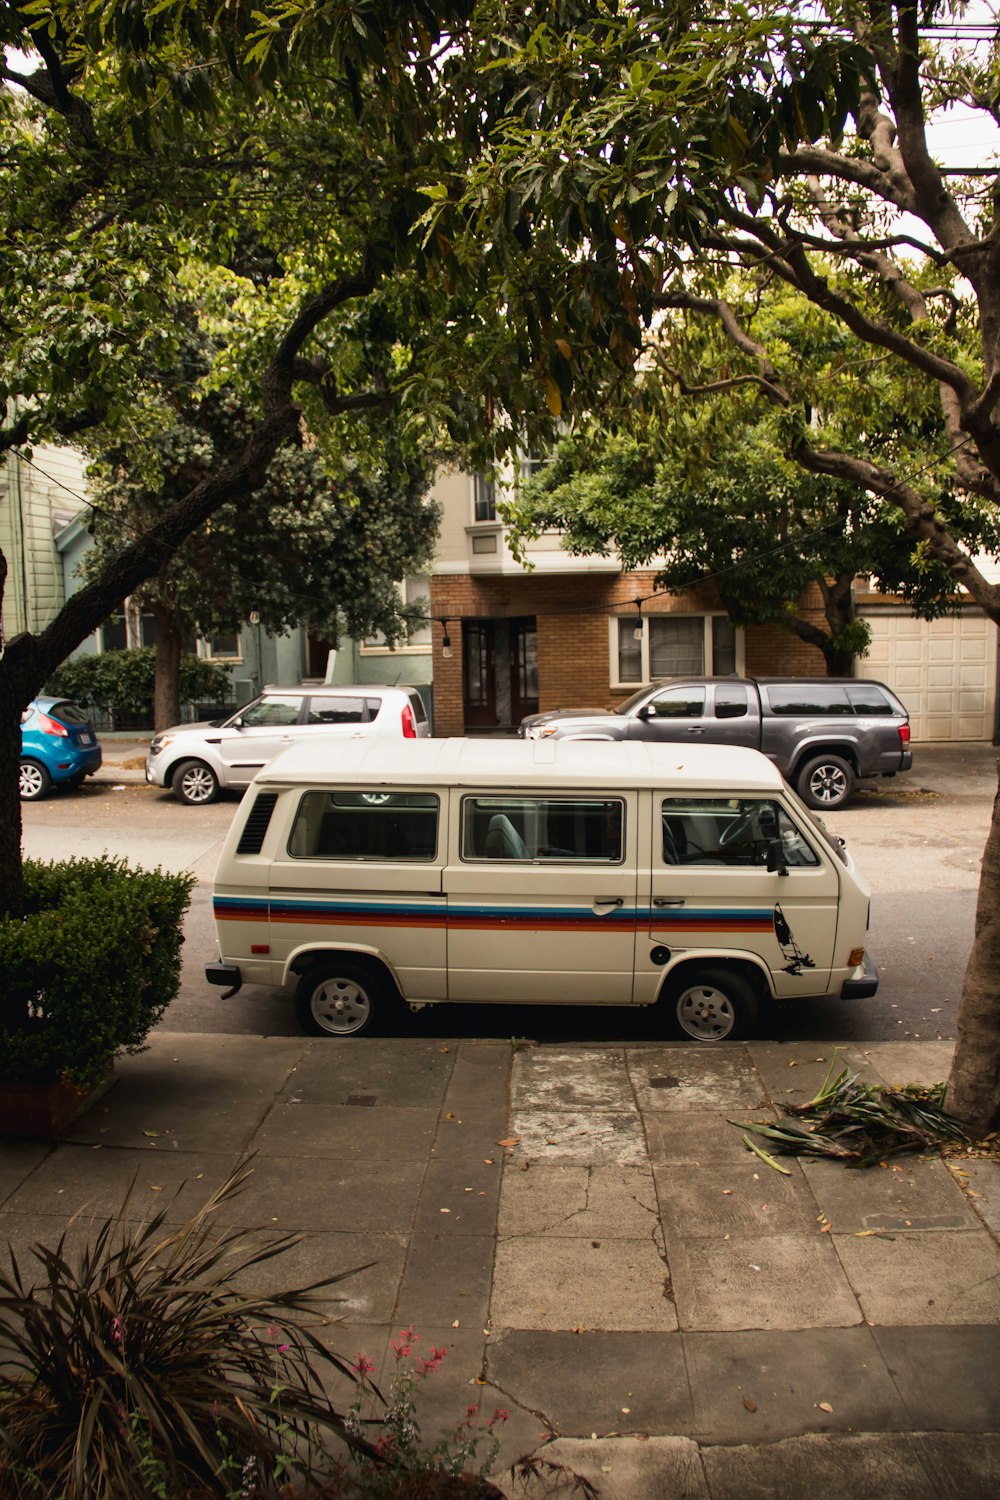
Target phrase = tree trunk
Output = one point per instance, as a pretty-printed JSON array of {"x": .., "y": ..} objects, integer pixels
[
  {"x": 11, "y": 877},
  {"x": 974, "y": 1085},
  {"x": 166, "y": 690}
]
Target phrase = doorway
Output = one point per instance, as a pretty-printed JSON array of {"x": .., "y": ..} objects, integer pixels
[{"x": 500, "y": 673}]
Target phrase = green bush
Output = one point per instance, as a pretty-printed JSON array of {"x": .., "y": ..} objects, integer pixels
[
  {"x": 122, "y": 681},
  {"x": 89, "y": 968}
]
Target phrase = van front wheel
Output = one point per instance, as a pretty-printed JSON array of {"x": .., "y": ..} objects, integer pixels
[
  {"x": 714, "y": 1005},
  {"x": 340, "y": 998}
]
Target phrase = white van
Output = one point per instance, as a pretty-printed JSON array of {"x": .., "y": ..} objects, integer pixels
[{"x": 536, "y": 871}]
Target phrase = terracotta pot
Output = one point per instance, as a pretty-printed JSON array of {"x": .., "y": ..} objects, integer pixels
[{"x": 42, "y": 1111}]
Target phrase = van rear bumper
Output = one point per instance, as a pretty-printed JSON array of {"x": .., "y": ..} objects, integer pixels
[
  {"x": 228, "y": 974},
  {"x": 864, "y": 987}
]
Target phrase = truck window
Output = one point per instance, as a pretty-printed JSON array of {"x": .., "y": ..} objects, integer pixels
[
  {"x": 734, "y": 831},
  {"x": 543, "y": 828},
  {"x": 808, "y": 698},
  {"x": 730, "y": 700},
  {"x": 397, "y": 826},
  {"x": 866, "y": 698},
  {"x": 678, "y": 703}
]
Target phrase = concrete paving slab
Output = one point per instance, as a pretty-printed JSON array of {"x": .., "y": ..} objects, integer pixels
[
  {"x": 480, "y": 1075},
  {"x": 346, "y": 1133},
  {"x": 18, "y": 1160},
  {"x": 96, "y": 1183},
  {"x": 962, "y": 1468},
  {"x": 446, "y": 1280},
  {"x": 979, "y": 1179},
  {"x": 364, "y": 1296},
  {"x": 21, "y": 1232},
  {"x": 761, "y": 1281},
  {"x": 793, "y": 1072},
  {"x": 458, "y": 1198},
  {"x": 595, "y": 1383},
  {"x": 552, "y": 1284},
  {"x": 472, "y": 1133},
  {"x": 914, "y": 1277},
  {"x": 909, "y": 1193},
  {"x": 208, "y": 1067},
  {"x": 695, "y": 1136},
  {"x": 924, "y": 1063},
  {"x": 946, "y": 1376},
  {"x": 370, "y": 1195},
  {"x": 592, "y": 1078},
  {"x": 876, "y": 1466},
  {"x": 582, "y": 1202},
  {"x": 386, "y": 1070},
  {"x": 759, "y": 1387},
  {"x": 128, "y": 1119},
  {"x": 618, "y": 1468},
  {"x": 716, "y": 1201},
  {"x": 598, "y": 1137},
  {"x": 698, "y": 1078}
]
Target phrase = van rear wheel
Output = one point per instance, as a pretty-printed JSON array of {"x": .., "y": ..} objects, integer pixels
[
  {"x": 340, "y": 998},
  {"x": 714, "y": 1005}
]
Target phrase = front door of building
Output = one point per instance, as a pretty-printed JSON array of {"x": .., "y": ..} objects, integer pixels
[
  {"x": 479, "y": 684},
  {"x": 500, "y": 672}
]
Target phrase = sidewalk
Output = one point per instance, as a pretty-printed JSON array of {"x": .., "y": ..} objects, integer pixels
[{"x": 589, "y": 1239}]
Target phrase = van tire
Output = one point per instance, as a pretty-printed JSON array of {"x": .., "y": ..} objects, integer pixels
[
  {"x": 340, "y": 997},
  {"x": 713, "y": 1005},
  {"x": 195, "y": 783},
  {"x": 826, "y": 782}
]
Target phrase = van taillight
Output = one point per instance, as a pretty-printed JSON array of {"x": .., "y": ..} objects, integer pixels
[
  {"x": 904, "y": 735},
  {"x": 409, "y": 728}
]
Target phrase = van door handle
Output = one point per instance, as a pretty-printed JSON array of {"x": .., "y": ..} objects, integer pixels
[
  {"x": 609, "y": 900},
  {"x": 663, "y": 901}
]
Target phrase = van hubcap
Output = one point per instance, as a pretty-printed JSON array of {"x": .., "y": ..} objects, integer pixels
[
  {"x": 340, "y": 1006},
  {"x": 705, "y": 1013}
]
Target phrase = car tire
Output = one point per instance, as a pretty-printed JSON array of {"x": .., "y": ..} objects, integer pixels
[
  {"x": 826, "y": 782},
  {"x": 195, "y": 783},
  {"x": 340, "y": 997},
  {"x": 35, "y": 781},
  {"x": 713, "y": 1005}
]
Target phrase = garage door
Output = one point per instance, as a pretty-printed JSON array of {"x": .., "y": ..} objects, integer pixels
[{"x": 945, "y": 671}]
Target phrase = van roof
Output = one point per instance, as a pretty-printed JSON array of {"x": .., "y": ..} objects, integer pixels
[{"x": 326, "y": 761}]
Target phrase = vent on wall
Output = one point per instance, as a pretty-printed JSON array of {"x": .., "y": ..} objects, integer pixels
[{"x": 255, "y": 827}]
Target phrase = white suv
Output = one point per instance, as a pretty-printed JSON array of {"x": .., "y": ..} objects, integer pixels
[{"x": 196, "y": 760}]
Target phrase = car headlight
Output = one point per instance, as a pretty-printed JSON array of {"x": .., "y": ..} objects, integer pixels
[{"x": 160, "y": 742}]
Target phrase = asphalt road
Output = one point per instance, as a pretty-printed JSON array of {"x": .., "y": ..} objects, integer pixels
[{"x": 917, "y": 839}]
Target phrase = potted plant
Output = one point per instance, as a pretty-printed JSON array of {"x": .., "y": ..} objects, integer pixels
[{"x": 88, "y": 970}]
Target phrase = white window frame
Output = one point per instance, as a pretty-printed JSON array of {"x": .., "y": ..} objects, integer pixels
[
  {"x": 416, "y": 586},
  {"x": 627, "y": 621},
  {"x": 203, "y": 646}
]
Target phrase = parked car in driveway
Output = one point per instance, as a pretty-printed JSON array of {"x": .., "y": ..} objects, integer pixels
[
  {"x": 822, "y": 733},
  {"x": 59, "y": 747},
  {"x": 197, "y": 760}
]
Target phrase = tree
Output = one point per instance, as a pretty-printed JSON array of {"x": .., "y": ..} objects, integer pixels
[
  {"x": 304, "y": 549},
  {"x": 838, "y": 197}
]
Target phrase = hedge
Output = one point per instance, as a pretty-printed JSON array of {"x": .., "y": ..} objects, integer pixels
[{"x": 90, "y": 967}]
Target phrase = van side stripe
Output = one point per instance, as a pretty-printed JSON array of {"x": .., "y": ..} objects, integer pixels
[{"x": 435, "y": 912}]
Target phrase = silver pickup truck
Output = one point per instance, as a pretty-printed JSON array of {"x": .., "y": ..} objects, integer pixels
[{"x": 822, "y": 733}]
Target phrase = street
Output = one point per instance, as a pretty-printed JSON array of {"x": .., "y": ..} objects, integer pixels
[{"x": 917, "y": 839}]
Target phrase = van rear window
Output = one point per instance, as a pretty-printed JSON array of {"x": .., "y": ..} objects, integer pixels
[
  {"x": 529, "y": 828},
  {"x": 390, "y": 826}
]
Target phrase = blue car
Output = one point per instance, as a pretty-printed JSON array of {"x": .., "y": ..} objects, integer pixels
[{"x": 58, "y": 747}]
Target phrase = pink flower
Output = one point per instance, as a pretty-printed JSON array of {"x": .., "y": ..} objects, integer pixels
[
  {"x": 118, "y": 1331},
  {"x": 500, "y": 1415},
  {"x": 402, "y": 1347},
  {"x": 363, "y": 1365}
]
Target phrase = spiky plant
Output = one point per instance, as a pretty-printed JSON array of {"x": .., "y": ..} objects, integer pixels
[{"x": 137, "y": 1367}]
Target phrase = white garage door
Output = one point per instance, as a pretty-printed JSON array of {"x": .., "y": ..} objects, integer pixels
[{"x": 945, "y": 671}]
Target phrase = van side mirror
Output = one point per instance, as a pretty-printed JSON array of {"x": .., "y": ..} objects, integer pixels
[{"x": 776, "y": 858}]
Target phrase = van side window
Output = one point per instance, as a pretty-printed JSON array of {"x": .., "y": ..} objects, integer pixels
[
  {"x": 520, "y": 828},
  {"x": 365, "y": 825},
  {"x": 731, "y": 831}
]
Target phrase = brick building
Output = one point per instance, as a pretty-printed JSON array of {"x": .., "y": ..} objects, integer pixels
[{"x": 510, "y": 639}]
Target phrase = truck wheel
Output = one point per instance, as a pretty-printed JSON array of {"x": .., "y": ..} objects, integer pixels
[
  {"x": 714, "y": 1005},
  {"x": 34, "y": 781},
  {"x": 826, "y": 782},
  {"x": 195, "y": 783},
  {"x": 340, "y": 998}
]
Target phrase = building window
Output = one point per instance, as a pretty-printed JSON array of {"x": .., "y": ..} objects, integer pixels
[
  {"x": 225, "y": 646},
  {"x": 653, "y": 646},
  {"x": 484, "y": 499},
  {"x": 414, "y": 590}
]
